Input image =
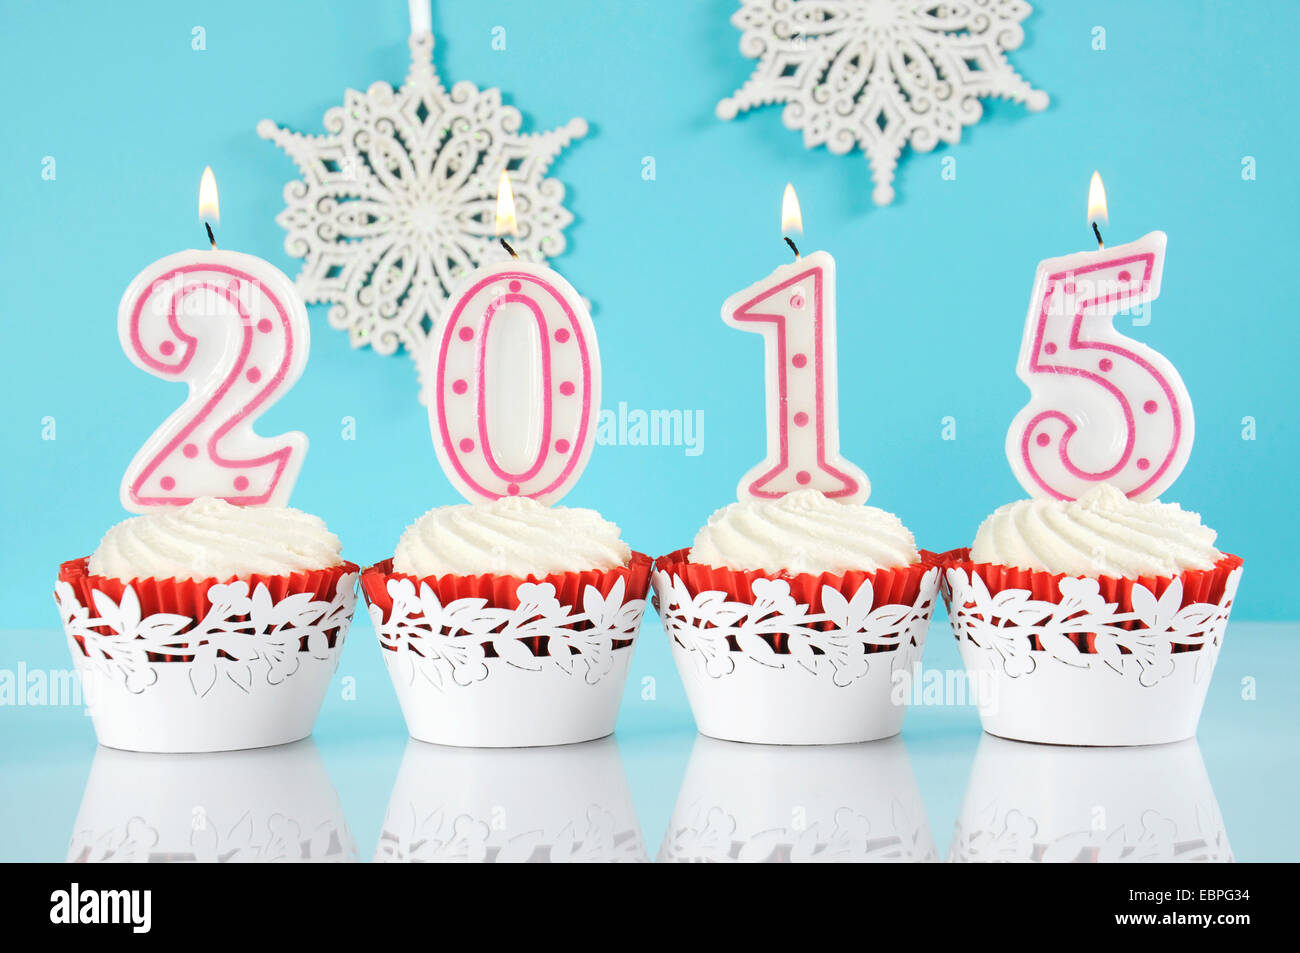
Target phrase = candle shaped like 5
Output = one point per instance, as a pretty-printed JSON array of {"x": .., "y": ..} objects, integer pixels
[
  {"x": 516, "y": 381},
  {"x": 794, "y": 309},
  {"x": 232, "y": 327},
  {"x": 1105, "y": 408}
]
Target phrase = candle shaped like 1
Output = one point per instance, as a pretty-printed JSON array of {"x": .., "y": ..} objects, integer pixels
[
  {"x": 516, "y": 379},
  {"x": 233, "y": 328},
  {"x": 794, "y": 309},
  {"x": 1105, "y": 408}
]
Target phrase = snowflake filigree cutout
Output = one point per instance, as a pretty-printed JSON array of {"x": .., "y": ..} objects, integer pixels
[
  {"x": 397, "y": 201},
  {"x": 880, "y": 74},
  {"x": 832, "y": 643}
]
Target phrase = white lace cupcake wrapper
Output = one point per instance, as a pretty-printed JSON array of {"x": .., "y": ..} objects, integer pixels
[
  {"x": 1082, "y": 628},
  {"x": 776, "y": 630},
  {"x": 245, "y": 637}
]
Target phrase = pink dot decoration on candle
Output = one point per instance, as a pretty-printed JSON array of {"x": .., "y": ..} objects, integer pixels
[
  {"x": 793, "y": 309},
  {"x": 1105, "y": 408},
  {"x": 524, "y": 313},
  {"x": 241, "y": 483},
  {"x": 231, "y": 327}
]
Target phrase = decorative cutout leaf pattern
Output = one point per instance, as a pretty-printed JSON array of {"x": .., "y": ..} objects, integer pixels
[
  {"x": 831, "y": 643},
  {"x": 240, "y": 639}
]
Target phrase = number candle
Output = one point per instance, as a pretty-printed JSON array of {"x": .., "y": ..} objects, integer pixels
[
  {"x": 516, "y": 380},
  {"x": 794, "y": 309},
  {"x": 1105, "y": 408},
  {"x": 232, "y": 327}
]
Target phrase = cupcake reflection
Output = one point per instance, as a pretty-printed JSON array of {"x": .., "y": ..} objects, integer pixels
[
  {"x": 1050, "y": 804},
  {"x": 563, "y": 804},
  {"x": 764, "y": 803},
  {"x": 261, "y": 805}
]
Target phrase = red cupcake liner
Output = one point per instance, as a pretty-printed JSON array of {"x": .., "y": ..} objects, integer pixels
[
  {"x": 189, "y": 597},
  {"x": 1199, "y": 585},
  {"x": 499, "y": 590},
  {"x": 889, "y": 586}
]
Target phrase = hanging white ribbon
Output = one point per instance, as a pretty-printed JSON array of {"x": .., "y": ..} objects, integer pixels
[{"x": 421, "y": 16}]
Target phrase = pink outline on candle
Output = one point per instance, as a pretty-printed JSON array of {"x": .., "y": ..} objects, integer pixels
[
  {"x": 1037, "y": 366},
  {"x": 231, "y": 293},
  {"x": 742, "y": 314},
  {"x": 441, "y": 383},
  {"x": 544, "y": 449}
]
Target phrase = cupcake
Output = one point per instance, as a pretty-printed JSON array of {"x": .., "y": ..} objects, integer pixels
[
  {"x": 208, "y": 626},
  {"x": 793, "y": 620},
  {"x": 508, "y": 623},
  {"x": 1094, "y": 621}
]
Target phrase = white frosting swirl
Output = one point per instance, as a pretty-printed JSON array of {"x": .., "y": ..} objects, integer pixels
[
  {"x": 514, "y": 535},
  {"x": 210, "y": 538},
  {"x": 1103, "y": 533},
  {"x": 801, "y": 532}
]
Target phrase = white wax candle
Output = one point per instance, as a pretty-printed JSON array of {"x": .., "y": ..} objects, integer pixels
[
  {"x": 233, "y": 328},
  {"x": 1105, "y": 408},
  {"x": 516, "y": 380},
  {"x": 794, "y": 309}
]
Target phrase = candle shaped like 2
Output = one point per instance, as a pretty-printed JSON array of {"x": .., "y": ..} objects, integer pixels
[
  {"x": 1105, "y": 408},
  {"x": 794, "y": 309},
  {"x": 232, "y": 327},
  {"x": 516, "y": 381}
]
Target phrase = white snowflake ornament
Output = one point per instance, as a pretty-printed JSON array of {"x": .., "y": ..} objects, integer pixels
[
  {"x": 880, "y": 74},
  {"x": 397, "y": 201}
]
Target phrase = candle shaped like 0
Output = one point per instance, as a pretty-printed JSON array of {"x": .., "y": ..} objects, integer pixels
[
  {"x": 232, "y": 327},
  {"x": 794, "y": 309},
  {"x": 516, "y": 379},
  {"x": 1105, "y": 408}
]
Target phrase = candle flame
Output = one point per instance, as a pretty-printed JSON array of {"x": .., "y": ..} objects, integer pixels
[
  {"x": 506, "y": 223},
  {"x": 1097, "y": 213},
  {"x": 791, "y": 216},
  {"x": 209, "y": 207}
]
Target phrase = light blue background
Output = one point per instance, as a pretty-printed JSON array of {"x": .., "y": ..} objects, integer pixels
[{"x": 932, "y": 290}]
